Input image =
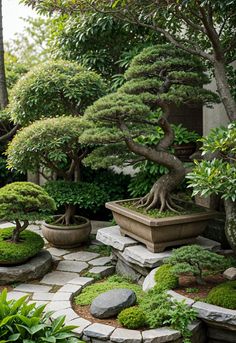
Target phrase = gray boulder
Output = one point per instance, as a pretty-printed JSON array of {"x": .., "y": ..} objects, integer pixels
[{"x": 110, "y": 303}]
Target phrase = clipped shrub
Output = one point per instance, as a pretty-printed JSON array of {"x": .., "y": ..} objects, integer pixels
[
  {"x": 22, "y": 202},
  {"x": 165, "y": 279},
  {"x": 223, "y": 295},
  {"x": 22, "y": 322},
  {"x": 132, "y": 318},
  {"x": 14, "y": 253},
  {"x": 195, "y": 260},
  {"x": 54, "y": 88}
]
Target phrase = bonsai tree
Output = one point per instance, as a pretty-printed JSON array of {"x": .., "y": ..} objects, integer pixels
[
  {"x": 195, "y": 260},
  {"x": 218, "y": 175},
  {"x": 22, "y": 202},
  {"x": 158, "y": 78},
  {"x": 52, "y": 146},
  {"x": 54, "y": 88}
]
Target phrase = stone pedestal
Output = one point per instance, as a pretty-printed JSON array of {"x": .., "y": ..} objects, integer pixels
[{"x": 133, "y": 259}]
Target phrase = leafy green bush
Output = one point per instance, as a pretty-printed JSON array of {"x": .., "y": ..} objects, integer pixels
[
  {"x": 165, "y": 279},
  {"x": 22, "y": 322},
  {"x": 13, "y": 253},
  {"x": 89, "y": 293},
  {"x": 132, "y": 318},
  {"x": 160, "y": 310},
  {"x": 195, "y": 260},
  {"x": 85, "y": 195},
  {"x": 223, "y": 295},
  {"x": 22, "y": 202},
  {"x": 54, "y": 88}
]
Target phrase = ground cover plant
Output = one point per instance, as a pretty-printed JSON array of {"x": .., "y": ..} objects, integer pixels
[
  {"x": 223, "y": 295},
  {"x": 23, "y": 322},
  {"x": 154, "y": 308}
]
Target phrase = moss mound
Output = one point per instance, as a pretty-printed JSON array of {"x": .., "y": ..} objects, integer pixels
[
  {"x": 14, "y": 253},
  {"x": 132, "y": 318},
  {"x": 165, "y": 279},
  {"x": 115, "y": 281},
  {"x": 223, "y": 295}
]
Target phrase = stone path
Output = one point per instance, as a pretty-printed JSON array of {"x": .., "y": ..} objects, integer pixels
[{"x": 58, "y": 287}]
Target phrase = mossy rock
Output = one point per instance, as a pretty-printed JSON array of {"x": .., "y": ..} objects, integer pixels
[
  {"x": 132, "y": 318},
  {"x": 16, "y": 253},
  {"x": 223, "y": 295},
  {"x": 165, "y": 279}
]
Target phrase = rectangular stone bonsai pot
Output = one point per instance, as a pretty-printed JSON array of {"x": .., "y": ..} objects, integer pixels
[{"x": 159, "y": 233}]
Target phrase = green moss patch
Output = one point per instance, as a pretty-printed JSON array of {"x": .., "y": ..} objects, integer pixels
[
  {"x": 132, "y": 318},
  {"x": 91, "y": 292},
  {"x": 13, "y": 253},
  {"x": 165, "y": 279},
  {"x": 155, "y": 213},
  {"x": 223, "y": 295}
]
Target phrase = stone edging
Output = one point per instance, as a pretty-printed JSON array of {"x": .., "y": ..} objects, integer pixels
[
  {"x": 207, "y": 312},
  {"x": 94, "y": 332}
]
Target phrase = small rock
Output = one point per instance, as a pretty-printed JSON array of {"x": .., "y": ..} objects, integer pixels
[
  {"x": 102, "y": 271},
  {"x": 110, "y": 303},
  {"x": 230, "y": 273}
]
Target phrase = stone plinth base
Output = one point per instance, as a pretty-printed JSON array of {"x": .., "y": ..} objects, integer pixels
[{"x": 35, "y": 268}]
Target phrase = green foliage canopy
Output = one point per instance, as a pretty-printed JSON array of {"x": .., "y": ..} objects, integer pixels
[
  {"x": 25, "y": 201},
  {"x": 54, "y": 88}
]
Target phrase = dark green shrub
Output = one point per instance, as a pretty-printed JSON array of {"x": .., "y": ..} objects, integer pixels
[
  {"x": 30, "y": 243},
  {"x": 165, "y": 279},
  {"x": 22, "y": 322},
  {"x": 195, "y": 260},
  {"x": 22, "y": 202},
  {"x": 223, "y": 295},
  {"x": 132, "y": 318}
]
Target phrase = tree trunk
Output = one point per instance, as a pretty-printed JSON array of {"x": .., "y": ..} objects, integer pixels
[
  {"x": 18, "y": 229},
  {"x": 224, "y": 89},
  {"x": 3, "y": 86},
  {"x": 230, "y": 224},
  {"x": 69, "y": 214}
]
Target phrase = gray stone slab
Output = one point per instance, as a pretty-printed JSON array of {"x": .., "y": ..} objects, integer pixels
[
  {"x": 176, "y": 296},
  {"x": 38, "y": 302},
  {"x": 81, "y": 323},
  {"x": 110, "y": 303},
  {"x": 81, "y": 281},
  {"x": 215, "y": 313},
  {"x": 149, "y": 281},
  {"x": 160, "y": 335},
  {"x": 58, "y": 305},
  {"x": 58, "y": 252},
  {"x": 126, "y": 336},
  {"x": 230, "y": 273},
  {"x": 6, "y": 225},
  {"x": 72, "y": 266},
  {"x": 61, "y": 296},
  {"x": 41, "y": 296},
  {"x": 83, "y": 256},
  {"x": 15, "y": 295},
  {"x": 139, "y": 255},
  {"x": 99, "y": 331},
  {"x": 35, "y": 268},
  {"x": 68, "y": 312},
  {"x": 101, "y": 261},
  {"x": 103, "y": 271},
  {"x": 69, "y": 288},
  {"x": 208, "y": 244},
  {"x": 111, "y": 236},
  {"x": 127, "y": 271},
  {"x": 58, "y": 278},
  {"x": 31, "y": 288}
]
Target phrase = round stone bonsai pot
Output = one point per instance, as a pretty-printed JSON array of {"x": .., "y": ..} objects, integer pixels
[
  {"x": 62, "y": 236},
  {"x": 160, "y": 233}
]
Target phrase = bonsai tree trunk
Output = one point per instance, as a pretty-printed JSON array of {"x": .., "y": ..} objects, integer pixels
[
  {"x": 230, "y": 224},
  {"x": 67, "y": 217},
  {"x": 160, "y": 194},
  {"x": 18, "y": 229}
]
